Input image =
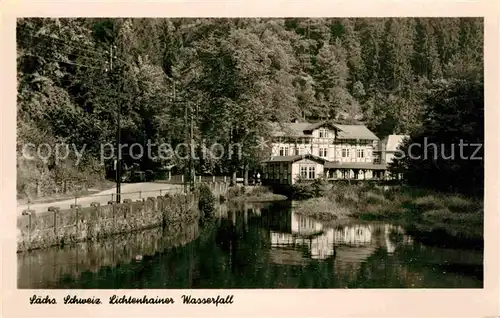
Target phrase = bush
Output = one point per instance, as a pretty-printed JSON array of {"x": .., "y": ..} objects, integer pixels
[
  {"x": 319, "y": 187},
  {"x": 206, "y": 202},
  {"x": 371, "y": 197},
  {"x": 302, "y": 191},
  {"x": 234, "y": 191},
  {"x": 428, "y": 202},
  {"x": 459, "y": 204}
]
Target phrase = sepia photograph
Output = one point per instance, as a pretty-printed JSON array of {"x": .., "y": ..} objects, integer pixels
[{"x": 250, "y": 153}]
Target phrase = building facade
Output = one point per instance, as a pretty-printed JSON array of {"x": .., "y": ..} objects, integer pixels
[{"x": 323, "y": 150}]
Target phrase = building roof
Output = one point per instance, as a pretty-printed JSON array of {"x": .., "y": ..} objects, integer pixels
[
  {"x": 290, "y": 129},
  {"x": 294, "y": 158},
  {"x": 301, "y": 129},
  {"x": 392, "y": 142},
  {"x": 355, "y": 165},
  {"x": 355, "y": 132}
]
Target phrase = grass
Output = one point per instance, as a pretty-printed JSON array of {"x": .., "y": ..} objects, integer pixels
[
  {"x": 253, "y": 194},
  {"x": 321, "y": 209},
  {"x": 454, "y": 213}
]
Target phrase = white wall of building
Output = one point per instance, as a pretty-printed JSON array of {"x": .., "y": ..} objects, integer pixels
[
  {"x": 333, "y": 150},
  {"x": 306, "y": 163}
]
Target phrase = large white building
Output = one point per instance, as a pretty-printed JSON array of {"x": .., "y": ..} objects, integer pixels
[{"x": 333, "y": 151}]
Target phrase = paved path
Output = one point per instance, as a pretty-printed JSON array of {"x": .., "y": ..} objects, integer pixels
[{"x": 148, "y": 189}]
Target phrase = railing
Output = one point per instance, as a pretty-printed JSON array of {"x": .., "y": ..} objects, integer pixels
[
  {"x": 86, "y": 199},
  {"x": 106, "y": 198},
  {"x": 178, "y": 179}
]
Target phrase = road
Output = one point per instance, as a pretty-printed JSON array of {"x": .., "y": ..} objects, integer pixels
[{"x": 128, "y": 190}]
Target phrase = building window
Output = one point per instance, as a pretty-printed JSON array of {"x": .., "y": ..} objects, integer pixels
[
  {"x": 323, "y": 133},
  {"x": 361, "y": 153},
  {"x": 345, "y": 153},
  {"x": 303, "y": 172},
  {"x": 323, "y": 152},
  {"x": 283, "y": 151},
  {"x": 297, "y": 152},
  {"x": 312, "y": 172}
]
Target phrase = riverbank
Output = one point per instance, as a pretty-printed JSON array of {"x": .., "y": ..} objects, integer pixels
[
  {"x": 452, "y": 213},
  {"x": 253, "y": 194},
  {"x": 65, "y": 227}
]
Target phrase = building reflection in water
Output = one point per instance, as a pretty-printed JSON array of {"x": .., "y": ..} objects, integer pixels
[{"x": 352, "y": 243}]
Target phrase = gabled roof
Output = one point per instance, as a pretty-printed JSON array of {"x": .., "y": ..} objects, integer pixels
[
  {"x": 392, "y": 142},
  {"x": 295, "y": 158},
  {"x": 290, "y": 129},
  {"x": 302, "y": 130},
  {"x": 355, "y": 132}
]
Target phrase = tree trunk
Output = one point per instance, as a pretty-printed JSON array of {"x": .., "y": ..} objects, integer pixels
[
  {"x": 245, "y": 182},
  {"x": 233, "y": 178}
]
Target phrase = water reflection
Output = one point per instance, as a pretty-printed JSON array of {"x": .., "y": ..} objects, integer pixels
[
  {"x": 256, "y": 246},
  {"x": 44, "y": 268},
  {"x": 353, "y": 242}
]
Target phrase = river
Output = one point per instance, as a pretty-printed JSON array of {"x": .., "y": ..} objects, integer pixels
[{"x": 259, "y": 246}]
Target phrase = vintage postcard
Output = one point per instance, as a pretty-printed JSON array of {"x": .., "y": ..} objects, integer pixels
[{"x": 250, "y": 159}]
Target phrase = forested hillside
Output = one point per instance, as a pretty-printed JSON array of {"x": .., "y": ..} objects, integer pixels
[{"x": 234, "y": 76}]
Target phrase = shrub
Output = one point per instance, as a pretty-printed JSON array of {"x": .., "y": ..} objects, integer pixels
[
  {"x": 428, "y": 202},
  {"x": 371, "y": 197},
  {"x": 206, "y": 202},
  {"x": 302, "y": 191},
  {"x": 234, "y": 192},
  {"x": 319, "y": 187},
  {"x": 459, "y": 204}
]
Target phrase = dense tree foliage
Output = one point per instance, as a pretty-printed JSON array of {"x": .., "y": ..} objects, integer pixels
[
  {"x": 229, "y": 77},
  {"x": 447, "y": 151}
]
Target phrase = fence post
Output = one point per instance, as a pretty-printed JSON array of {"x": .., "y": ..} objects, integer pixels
[
  {"x": 224, "y": 178},
  {"x": 140, "y": 194},
  {"x": 160, "y": 192},
  {"x": 213, "y": 178},
  {"x": 182, "y": 178},
  {"x": 55, "y": 210}
]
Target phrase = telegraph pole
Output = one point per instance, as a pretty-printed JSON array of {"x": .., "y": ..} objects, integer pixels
[
  {"x": 186, "y": 175},
  {"x": 191, "y": 150},
  {"x": 118, "y": 132}
]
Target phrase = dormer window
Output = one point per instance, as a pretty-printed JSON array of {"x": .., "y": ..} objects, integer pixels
[{"x": 323, "y": 133}]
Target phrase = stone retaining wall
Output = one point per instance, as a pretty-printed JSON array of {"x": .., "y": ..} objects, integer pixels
[
  {"x": 49, "y": 268},
  {"x": 62, "y": 227}
]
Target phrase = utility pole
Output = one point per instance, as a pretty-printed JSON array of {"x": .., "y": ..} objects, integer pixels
[
  {"x": 186, "y": 174},
  {"x": 191, "y": 151},
  {"x": 118, "y": 169}
]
